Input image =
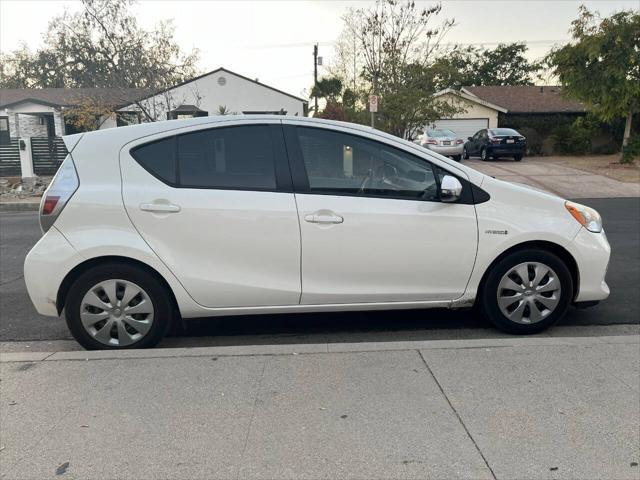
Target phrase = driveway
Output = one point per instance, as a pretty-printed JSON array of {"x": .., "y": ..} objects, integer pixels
[{"x": 549, "y": 173}]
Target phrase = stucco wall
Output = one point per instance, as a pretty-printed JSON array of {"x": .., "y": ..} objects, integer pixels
[
  {"x": 472, "y": 110},
  {"x": 235, "y": 93}
]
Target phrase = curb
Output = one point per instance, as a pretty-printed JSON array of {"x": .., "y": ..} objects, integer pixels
[
  {"x": 19, "y": 206},
  {"x": 315, "y": 348}
]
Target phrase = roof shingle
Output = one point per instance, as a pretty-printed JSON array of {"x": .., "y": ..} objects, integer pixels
[
  {"x": 527, "y": 99},
  {"x": 68, "y": 97}
]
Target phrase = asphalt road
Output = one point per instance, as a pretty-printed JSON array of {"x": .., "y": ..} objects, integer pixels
[{"x": 20, "y": 322}]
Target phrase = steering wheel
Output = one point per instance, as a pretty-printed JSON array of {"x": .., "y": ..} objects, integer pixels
[{"x": 365, "y": 182}]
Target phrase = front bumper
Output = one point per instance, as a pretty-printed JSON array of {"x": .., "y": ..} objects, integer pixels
[
  {"x": 591, "y": 252},
  {"x": 45, "y": 267}
]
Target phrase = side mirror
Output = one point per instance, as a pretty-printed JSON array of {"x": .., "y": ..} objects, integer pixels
[
  {"x": 469, "y": 138},
  {"x": 450, "y": 189}
]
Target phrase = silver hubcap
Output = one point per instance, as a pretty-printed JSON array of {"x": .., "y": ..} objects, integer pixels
[
  {"x": 116, "y": 312},
  {"x": 529, "y": 292}
]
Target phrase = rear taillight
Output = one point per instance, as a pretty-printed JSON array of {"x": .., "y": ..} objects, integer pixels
[
  {"x": 459, "y": 141},
  {"x": 495, "y": 140},
  {"x": 61, "y": 189},
  {"x": 432, "y": 142}
]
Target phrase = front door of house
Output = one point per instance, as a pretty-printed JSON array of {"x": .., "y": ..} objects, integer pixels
[{"x": 4, "y": 130}]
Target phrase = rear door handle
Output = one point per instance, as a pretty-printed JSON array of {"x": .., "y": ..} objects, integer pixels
[
  {"x": 323, "y": 218},
  {"x": 160, "y": 207}
]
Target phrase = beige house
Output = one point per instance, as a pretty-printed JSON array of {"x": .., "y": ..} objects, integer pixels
[{"x": 476, "y": 115}]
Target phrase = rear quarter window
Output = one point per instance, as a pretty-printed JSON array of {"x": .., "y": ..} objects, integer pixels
[{"x": 159, "y": 159}]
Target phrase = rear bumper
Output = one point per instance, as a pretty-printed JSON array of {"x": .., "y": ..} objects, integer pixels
[
  {"x": 446, "y": 150},
  {"x": 505, "y": 150},
  {"x": 45, "y": 267},
  {"x": 591, "y": 252}
]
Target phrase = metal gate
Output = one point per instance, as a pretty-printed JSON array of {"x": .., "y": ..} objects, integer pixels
[
  {"x": 10, "y": 158},
  {"x": 47, "y": 154}
]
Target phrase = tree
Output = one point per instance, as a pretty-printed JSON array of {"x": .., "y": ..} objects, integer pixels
[
  {"x": 102, "y": 46},
  {"x": 390, "y": 46},
  {"x": 348, "y": 63},
  {"x": 329, "y": 88},
  {"x": 224, "y": 110},
  {"x": 88, "y": 114},
  {"x": 506, "y": 64},
  {"x": 408, "y": 104},
  {"x": 601, "y": 66}
]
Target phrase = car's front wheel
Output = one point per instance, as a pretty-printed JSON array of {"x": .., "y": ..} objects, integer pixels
[
  {"x": 465, "y": 153},
  {"x": 526, "y": 291},
  {"x": 118, "y": 306},
  {"x": 517, "y": 158}
]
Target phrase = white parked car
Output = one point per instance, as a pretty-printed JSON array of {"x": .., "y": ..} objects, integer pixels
[
  {"x": 269, "y": 214},
  {"x": 443, "y": 141}
]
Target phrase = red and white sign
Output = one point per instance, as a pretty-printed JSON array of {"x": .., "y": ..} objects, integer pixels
[{"x": 373, "y": 103}]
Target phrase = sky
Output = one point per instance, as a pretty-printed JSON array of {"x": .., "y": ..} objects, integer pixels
[{"x": 272, "y": 41}]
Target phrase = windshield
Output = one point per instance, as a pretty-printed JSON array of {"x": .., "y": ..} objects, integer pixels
[
  {"x": 440, "y": 133},
  {"x": 503, "y": 131}
]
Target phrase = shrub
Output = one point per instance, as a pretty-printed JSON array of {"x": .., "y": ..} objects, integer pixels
[{"x": 574, "y": 139}]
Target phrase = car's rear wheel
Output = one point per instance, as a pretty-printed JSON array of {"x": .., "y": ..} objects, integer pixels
[
  {"x": 457, "y": 158},
  {"x": 527, "y": 291},
  {"x": 118, "y": 306},
  {"x": 484, "y": 156},
  {"x": 517, "y": 158}
]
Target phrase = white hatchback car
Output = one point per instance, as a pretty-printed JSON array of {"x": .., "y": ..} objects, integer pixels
[{"x": 269, "y": 214}]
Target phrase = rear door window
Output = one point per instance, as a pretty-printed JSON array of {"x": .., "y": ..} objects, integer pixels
[
  {"x": 241, "y": 158},
  {"x": 233, "y": 157}
]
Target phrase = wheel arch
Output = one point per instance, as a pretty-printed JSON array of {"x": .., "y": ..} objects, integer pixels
[
  {"x": 551, "y": 247},
  {"x": 82, "y": 267}
]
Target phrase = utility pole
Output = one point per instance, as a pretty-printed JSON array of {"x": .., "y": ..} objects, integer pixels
[{"x": 315, "y": 78}]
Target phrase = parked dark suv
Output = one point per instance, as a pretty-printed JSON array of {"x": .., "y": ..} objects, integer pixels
[{"x": 495, "y": 143}]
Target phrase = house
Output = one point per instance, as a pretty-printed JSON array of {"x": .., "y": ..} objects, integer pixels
[
  {"x": 505, "y": 106},
  {"x": 33, "y": 120},
  {"x": 219, "y": 89}
]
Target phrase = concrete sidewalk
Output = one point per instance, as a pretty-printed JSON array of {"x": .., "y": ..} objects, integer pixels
[{"x": 536, "y": 407}]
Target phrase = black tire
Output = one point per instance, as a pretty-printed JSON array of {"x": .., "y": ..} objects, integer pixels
[
  {"x": 465, "y": 154},
  {"x": 484, "y": 155},
  {"x": 161, "y": 300},
  {"x": 457, "y": 158},
  {"x": 489, "y": 291},
  {"x": 517, "y": 158}
]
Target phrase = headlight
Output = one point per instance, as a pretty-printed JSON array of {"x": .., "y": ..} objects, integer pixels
[{"x": 586, "y": 216}]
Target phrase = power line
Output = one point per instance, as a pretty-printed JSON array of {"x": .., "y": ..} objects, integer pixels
[{"x": 448, "y": 44}]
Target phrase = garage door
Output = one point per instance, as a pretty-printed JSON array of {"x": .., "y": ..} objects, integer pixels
[{"x": 463, "y": 127}]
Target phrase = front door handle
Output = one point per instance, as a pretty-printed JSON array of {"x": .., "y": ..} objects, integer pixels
[
  {"x": 160, "y": 207},
  {"x": 323, "y": 218}
]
